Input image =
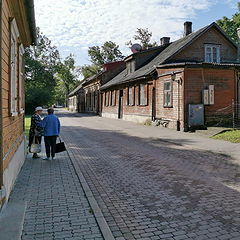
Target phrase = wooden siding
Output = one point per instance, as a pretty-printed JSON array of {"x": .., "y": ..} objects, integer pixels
[
  {"x": 195, "y": 51},
  {"x": 12, "y": 126}
]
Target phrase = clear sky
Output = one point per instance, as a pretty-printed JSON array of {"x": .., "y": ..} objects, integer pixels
[{"x": 74, "y": 25}]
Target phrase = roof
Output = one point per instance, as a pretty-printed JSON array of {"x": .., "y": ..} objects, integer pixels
[
  {"x": 162, "y": 57},
  {"x": 29, "y": 4},
  {"x": 76, "y": 89},
  {"x": 93, "y": 77}
]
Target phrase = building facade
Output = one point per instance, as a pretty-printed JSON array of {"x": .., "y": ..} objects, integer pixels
[
  {"x": 86, "y": 98},
  {"x": 17, "y": 31},
  {"x": 194, "y": 71}
]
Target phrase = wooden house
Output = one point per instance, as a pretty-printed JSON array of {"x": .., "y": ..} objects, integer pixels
[
  {"x": 188, "y": 77},
  {"x": 17, "y": 31}
]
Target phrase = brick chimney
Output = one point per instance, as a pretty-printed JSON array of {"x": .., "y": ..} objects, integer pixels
[
  {"x": 164, "y": 40},
  {"x": 187, "y": 28}
]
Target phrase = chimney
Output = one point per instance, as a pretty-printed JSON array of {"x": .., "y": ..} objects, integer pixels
[
  {"x": 164, "y": 40},
  {"x": 187, "y": 28}
]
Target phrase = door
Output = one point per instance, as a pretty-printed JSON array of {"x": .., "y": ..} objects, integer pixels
[
  {"x": 120, "y": 104},
  {"x": 153, "y": 104}
]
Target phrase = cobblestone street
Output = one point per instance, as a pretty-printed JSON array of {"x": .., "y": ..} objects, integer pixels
[
  {"x": 56, "y": 205},
  {"x": 153, "y": 189}
]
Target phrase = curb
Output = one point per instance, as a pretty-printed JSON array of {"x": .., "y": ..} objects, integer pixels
[{"x": 104, "y": 228}]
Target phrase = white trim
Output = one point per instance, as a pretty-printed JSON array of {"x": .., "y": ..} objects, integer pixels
[
  {"x": 14, "y": 66},
  {"x": 211, "y": 48}
]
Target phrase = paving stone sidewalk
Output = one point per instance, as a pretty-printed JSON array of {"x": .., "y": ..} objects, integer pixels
[
  {"x": 56, "y": 205},
  {"x": 151, "y": 189}
]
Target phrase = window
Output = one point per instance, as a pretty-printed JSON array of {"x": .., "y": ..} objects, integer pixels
[
  {"x": 113, "y": 98},
  {"x": 130, "y": 66},
  {"x": 14, "y": 67},
  {"x": 143, "y": 94},
  {"x": 131, "y": 96},
  {"x": 105, "y": 99},
  {"x": 168, "y": 94},
  {"x": 212, "y": 53},
  {"x": 21, "y": 79}
]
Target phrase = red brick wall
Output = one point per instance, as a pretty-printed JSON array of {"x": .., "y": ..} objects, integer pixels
[
  {"x": 177, "y": 97},
  {"x": 224, "y": 85},
  {"x": 134, "y": 109}
]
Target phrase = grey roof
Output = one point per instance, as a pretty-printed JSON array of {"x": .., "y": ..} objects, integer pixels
[
  {"x": 161, "y": 58},
  {"x": 76, "y": 90}
]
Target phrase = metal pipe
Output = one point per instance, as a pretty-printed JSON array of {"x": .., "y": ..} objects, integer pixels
[{"x": 1, "y": 103}]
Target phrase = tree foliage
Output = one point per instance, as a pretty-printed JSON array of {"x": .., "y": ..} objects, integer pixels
[
  {"x": 99, "y": 55},
  {"x": 108, "y": 52},
  {"x": 144, "y": 37},
  {"x": 48, "y": 79},
  {"x": 89, "y": 70},
  {"x": 230, "y": 25},
  {"x": 40, "y": 67},
  {"x": 67, "y": 78}
]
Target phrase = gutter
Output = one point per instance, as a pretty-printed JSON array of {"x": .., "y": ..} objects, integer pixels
[
  {"x": 1, "y": 120},
  {"x": 29, "y": 4}
]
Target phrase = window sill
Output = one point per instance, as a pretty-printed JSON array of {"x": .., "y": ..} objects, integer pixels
[{"x": 168, "y": 106}]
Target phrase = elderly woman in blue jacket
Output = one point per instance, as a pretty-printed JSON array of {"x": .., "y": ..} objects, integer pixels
[{"x": 51, "y": 129}]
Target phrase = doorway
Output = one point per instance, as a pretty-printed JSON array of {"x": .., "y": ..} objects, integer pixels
[{"x": 120, "y": 104}]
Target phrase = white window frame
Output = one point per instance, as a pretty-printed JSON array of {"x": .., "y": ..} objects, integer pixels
[
  {"x": 209, "y": 53},
  {"x": 143, "y": 94},
  {"x": 166, "y": 93},
  {"x": 14, "y": 68},
  {"x": 21, "y": 79}
]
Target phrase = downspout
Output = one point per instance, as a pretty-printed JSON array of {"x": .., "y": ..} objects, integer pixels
[{"x": 1, "y": 111}]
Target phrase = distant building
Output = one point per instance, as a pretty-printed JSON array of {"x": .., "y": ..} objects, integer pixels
[
  {"x": 86, "y": 97},
  {"x": 17, "y": 31},
  {"x": 199, "y": 72}
]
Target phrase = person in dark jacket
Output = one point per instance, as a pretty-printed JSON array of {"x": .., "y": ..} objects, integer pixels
[
  {"x": 51, "y": 129},
  {"x": 36, "y": 131}
]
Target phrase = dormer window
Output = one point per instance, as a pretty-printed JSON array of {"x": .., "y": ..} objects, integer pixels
[
  {"x": 212, "y": 53},
  {"x": 130, "y": 66}
]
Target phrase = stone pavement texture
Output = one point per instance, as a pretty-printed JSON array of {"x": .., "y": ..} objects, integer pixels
[
  {"x": 56, "y": 205},
  {"x": 150, "y": 188}
]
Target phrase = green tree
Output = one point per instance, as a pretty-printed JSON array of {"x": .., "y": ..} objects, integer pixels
[
  {"x": 108, "y": 52},
  {"x": 67, "y": 78},
  {"x": 40, "y": 67},
  {"x": 99, "y": 55},
  {"x": 144, "y": 37},
  {"x": 230, "y": 25},
  {"x": 89, "y": 70}
]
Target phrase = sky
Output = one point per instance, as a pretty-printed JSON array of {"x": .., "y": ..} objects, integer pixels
[{"x": 75, "y": 25}]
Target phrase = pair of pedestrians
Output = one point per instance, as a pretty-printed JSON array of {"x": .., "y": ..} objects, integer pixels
[{"x": 49, "y": 127}]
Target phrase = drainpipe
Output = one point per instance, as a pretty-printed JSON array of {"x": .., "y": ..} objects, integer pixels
[{"x": 1, "y": 121}]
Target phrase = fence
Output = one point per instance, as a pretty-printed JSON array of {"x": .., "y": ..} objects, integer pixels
[
  {"x": 236, "y": 115},
  {"x": 226, "y": 117}
]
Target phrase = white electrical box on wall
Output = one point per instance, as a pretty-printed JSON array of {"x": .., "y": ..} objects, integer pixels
[
  {"x": 211, "y": 94},
  {"x": 208, "y": 95},
  {"x": 205, "y": 97}
]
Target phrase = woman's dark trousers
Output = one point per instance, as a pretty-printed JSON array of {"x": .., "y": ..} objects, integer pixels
[{"x": 50, "y": 145}]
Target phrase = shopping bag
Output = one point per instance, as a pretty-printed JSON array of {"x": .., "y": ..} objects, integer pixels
[
  {"x": 35, "y": 147},
  {"x": 60, "y": 147}
]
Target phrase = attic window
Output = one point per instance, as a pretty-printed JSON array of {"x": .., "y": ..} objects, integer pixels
[
  {"x": 130, "y": 66},
  {"x": 212, "y": 53}
]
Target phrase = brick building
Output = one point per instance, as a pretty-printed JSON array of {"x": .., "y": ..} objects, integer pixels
[
  {"x": 17, "y": 31},
  {"x": 86, "y": 97},
  {"x": 199, "y": 68}
]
